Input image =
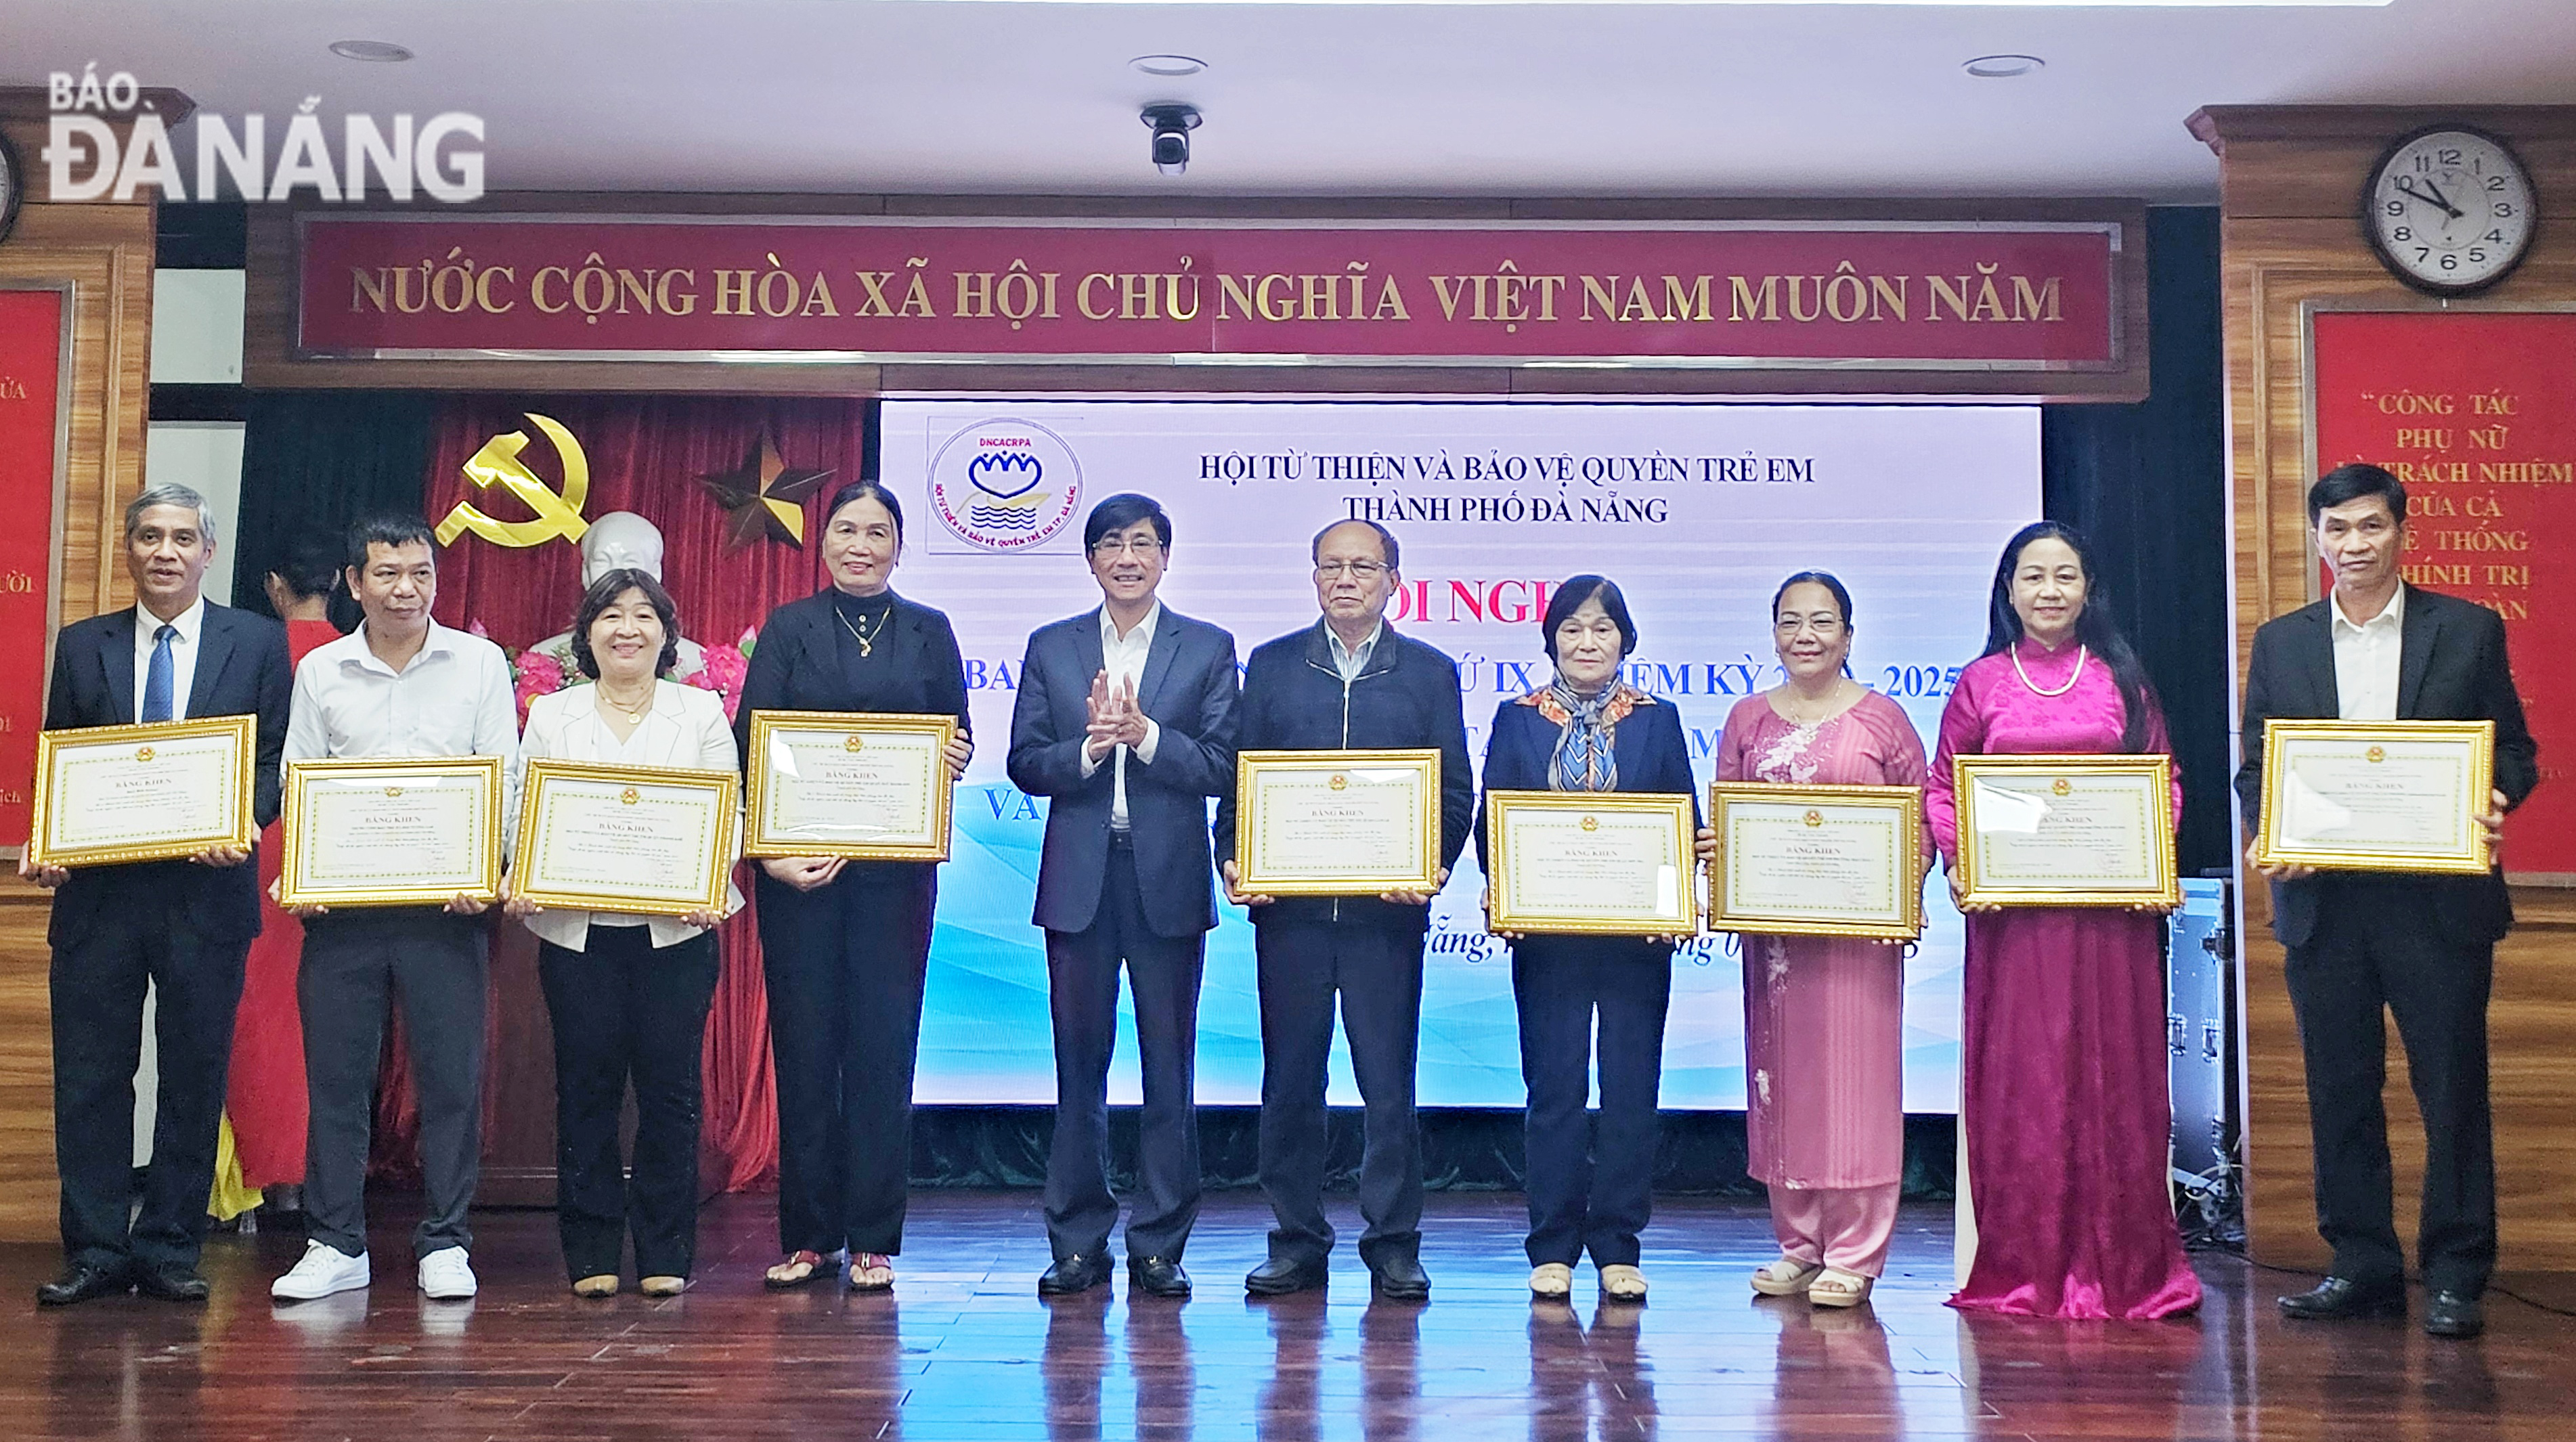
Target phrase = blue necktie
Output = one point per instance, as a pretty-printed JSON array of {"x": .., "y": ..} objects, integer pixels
[{"x": 159, "y": 680}]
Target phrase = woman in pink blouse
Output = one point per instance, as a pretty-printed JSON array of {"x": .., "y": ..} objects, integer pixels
[
  {"x": 1824, "y": 1017},
  {"x": 2063, "y": 1052}
]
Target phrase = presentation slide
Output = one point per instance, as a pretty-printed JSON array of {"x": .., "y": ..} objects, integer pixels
[{"x": 1697, "y": 511}]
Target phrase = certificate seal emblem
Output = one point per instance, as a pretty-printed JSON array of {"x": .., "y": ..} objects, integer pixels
[
  {"x": 629, "y": 796},
  {"x": 143, "y": 753},
  {"x": 1813, "y": 818},
  {"x": 1005, "y": 485},
  {"x": 393, "y": 793},
  {"x": 1591, "y": 823},
  {"x": 2060, "y": 787},
  {"x": 1339, "y": 782},
  {"x": 855, "y": 744},
  {"x": 2374, "y": 755}
]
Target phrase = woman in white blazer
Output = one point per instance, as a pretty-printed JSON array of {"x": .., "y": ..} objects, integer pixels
[{"x": 628, "y": 994}]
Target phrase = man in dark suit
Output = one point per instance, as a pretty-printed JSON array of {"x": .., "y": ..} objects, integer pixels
[
  {"x": 183, "y": 927},
  {"x": 2423, "y": 947},
  {"x": 1347, "y": 682},
  {"x": 1125, "y": 721}
]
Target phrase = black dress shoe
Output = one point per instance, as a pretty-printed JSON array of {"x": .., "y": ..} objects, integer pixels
[
  {"x": 1078, "y": 1273},
  {"x": 2454, "y": 1314},
  {"x": 83, "y": 1283},
  {"x": 1282, "y": 1275},
  {"x": 1401, "y": 1279},
  {"x": 172, "y": 1283},
  {"x": 2339, "y": 1299},
  {"x": 1157, "y": 1277}
]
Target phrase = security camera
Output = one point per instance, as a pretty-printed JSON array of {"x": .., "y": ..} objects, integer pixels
[{"x": 1171, "y": 124}]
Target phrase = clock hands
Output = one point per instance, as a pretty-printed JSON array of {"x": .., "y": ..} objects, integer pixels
[{"x": 2406, "y": 183}]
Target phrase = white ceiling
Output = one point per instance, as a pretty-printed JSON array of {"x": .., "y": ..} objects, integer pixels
[{"x": 1727, "y": 99}]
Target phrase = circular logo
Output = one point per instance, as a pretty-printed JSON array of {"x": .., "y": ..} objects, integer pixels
[
  {"x": 1339, "y": 782},
  {"x": 1814, "y": 818},
  {"x": 143, "y": 754},
  {"x": 855, "y": 744},
  {"x": 1589, "y": 824},
  {"x": 392, "y": 792},
  {"x": 629, "y": 796},
  {"x": 2375, "y": 755},
  {"x": 1005, "y": 485},
  {"x": 2060, "y": 787}
]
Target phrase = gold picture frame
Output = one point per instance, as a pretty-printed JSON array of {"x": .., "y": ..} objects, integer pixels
[
  {"x": 2374, "y": 744},
  {"x": 931, "y": 813},
  {"x": 128, "y": 749},
  {"x": 1506, "y": 911},
  {"x": 2041, "y": 779},
  {"x": 306, "y": 781},
  {"x": 718, "y": 793},
  {"x": 1257, "y": 833},
  {"x": 1734, "y": 804}
]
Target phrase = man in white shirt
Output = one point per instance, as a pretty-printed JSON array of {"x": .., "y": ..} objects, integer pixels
[
  {"x": 182, "y": 928},
  {"x": 400, "y": 685},
  {"x": 1125, "y": 721}
]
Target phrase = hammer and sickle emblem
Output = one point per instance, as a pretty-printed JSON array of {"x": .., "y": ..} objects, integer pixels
[{"x": 497, "y": 463}]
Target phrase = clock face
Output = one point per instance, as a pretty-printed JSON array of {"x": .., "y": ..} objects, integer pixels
[
  {"x": 12, "y": 185},
  {"x": 2450, "y": 210}
]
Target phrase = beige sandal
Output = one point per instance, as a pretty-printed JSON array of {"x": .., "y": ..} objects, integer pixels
[
  {"x": 871, "y": 1272},
  {"x": 596, "y": 1287},
  {"x": 1551, "y": 1280},
  {"x": 661, "y": 1285},
  {"x": 1621, "y": 1282},
  {"x": 1787, "y": 1277},
  {"x": 1838, "y": 1288}
]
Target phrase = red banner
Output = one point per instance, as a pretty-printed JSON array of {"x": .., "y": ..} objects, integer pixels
[
  {"x": 1989, "y": 296},
  {"x": 31, "y": 359},
  {"x": 2472, "y": 410}
]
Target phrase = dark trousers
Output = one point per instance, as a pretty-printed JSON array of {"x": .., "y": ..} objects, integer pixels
[
  {"x": 97, "y": 988},
  {"x": 845, "y": 966},
  {"x": 623, "y": 1008},
  {"x": 2372, "y": 949},
  {"x": 437, "y": 965},
  {"x": 1082, "y": 996},
  {"x": 1377, "y": 972},
  {"x": 1590, "y": 1188}
]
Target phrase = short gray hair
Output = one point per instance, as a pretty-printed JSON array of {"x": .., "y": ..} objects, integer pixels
[{"x": 170, "y": 495}]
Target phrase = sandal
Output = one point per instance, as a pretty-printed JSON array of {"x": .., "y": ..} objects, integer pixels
[
  {"x": 662, "y": 1285},
  {"x": 1622, "y": 1282},
  {"x": 795, "y": 1271},
  {"x": 871, "y": 1272},
  {"x": 1838, "y": 1288},
  {"x": 602, "y": 1284},
  {"x": 1551, "y": 1281},
  {"x": 1787, "y": 1277}
]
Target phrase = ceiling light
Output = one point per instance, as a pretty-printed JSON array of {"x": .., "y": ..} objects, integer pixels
[
  {"x": 380, "y": 52},
  {"x": 2002, "y": 67},
  {"x": 1168, "y": 66}
]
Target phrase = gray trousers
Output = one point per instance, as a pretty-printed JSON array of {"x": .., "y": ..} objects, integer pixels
[{"x": 437, "y": 966}]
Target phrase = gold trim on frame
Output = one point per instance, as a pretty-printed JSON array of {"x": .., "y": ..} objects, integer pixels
[
  {"x": 1964, "y": 770},
  {"x": 1251, "y": 882},
  {"x": 2480, "y": 739},
  {"x": 1500, "y": 918},
  {"x": 300, "y": 773},
  {"x": 755, "y": 842},
  {"x": 1908, "y": 800},
  {"x": 721, "y": 856},
  {"x": 240, "y": 730}
]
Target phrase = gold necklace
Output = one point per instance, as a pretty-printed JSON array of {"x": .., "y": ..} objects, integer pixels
[
  {"x": 866, "y": 638},
  {"x": 2080, "y": 653},
  {"x": 1826, "y": 709},
  {"x": 631, "y": 713}
]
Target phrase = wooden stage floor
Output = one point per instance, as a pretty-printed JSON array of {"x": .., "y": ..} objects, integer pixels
[{"x": 965, "y": 1350}]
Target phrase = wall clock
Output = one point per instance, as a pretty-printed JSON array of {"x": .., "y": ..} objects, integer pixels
[
  {"x": 13, "y": 185},
  {"x": 2449, "y": 209}
]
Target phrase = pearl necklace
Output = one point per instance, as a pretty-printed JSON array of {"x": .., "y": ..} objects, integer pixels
[{"x": 2035, "y": 688}]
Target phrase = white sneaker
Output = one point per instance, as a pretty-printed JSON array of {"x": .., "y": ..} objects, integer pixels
[
  {"x": 321, "y": 1271},
  {"x": 445, "y": 1275}
]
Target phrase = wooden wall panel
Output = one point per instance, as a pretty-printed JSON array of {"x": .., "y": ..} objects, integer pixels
[{"x": 2290, "y": 184}]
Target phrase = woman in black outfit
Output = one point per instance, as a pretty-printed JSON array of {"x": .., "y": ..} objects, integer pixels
[{"x": 846, "y": 944}]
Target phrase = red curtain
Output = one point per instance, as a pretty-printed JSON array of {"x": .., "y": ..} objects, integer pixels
[{"x": 645, "y": 454}]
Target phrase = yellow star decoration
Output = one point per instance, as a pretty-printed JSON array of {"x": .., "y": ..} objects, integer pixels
[{"x": 765, "y": 497}]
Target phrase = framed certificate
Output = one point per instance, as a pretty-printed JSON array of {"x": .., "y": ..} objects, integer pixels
[
  {"x": 2377, "y": 795},
  {"x": 1336, "y": 823},
  {"x": 1591, "y": 863},
  {"x": 1817, "y": 860},
  {"x": 646, "y": 840},
  {"x": 391, "y": 831},
  {"x": 848, "y": 783},
  {"x": 2066, "y": 830},
  {"x": 108, "y": 794}
]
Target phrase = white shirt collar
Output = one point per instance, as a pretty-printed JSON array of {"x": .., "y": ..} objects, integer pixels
[
  {"x": 439, "y": 642},
  {"x": 2391, "y": 615},
  {"x": 1367, "y": 643},
  {"x": 190, "y": 621},
  {"x": 1141, "y": 635}
]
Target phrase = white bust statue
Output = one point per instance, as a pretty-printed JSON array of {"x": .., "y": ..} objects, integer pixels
[{"x": 616, "y": 541}]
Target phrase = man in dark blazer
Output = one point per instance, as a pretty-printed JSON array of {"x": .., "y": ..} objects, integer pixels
[
  {"x": 1125, "y": 722},
  {"x": 184, "y": 927},
  {"x": 2421, "y": 946},
  {"x": 1346, "y": 682}
]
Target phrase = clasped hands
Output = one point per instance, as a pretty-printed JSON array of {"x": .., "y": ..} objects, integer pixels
[{"x": 1114, "y": 718}]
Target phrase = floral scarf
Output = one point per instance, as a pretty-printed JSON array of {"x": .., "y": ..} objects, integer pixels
[{"x": 1586, "y": 758}]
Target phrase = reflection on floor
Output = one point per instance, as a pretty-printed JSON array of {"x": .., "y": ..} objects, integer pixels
[{"x": 965, "y": 1350}]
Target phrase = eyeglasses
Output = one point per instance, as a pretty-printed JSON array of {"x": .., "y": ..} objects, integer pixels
[
  {"x": 1143, "y": 548},
  {"x": 1823, "y": 624},
  {"x": 1362, "y": 571}
]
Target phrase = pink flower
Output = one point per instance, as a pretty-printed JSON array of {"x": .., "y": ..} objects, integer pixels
[
  {"x": 721, "y": 670},
  {"x": 533, "y": 673}
]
